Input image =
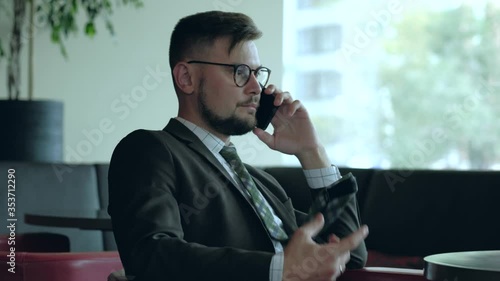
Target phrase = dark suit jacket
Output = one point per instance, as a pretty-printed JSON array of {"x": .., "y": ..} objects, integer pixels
[{"x": 177, "y": 216}]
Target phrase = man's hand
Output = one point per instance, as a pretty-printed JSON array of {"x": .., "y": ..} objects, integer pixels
[
  {"x": 307, "y": 260},
  {"x": 294, "y": 132}
]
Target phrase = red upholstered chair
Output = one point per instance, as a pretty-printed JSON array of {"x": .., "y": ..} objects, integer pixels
[
  {"x": 365, "y": 274},
  {"x": 378, "y": 259},
  {"x": 118, "y": 276},
  {"x": 35, "y": 242},
  {"x": 383, "y": 274},
  {"x": 82, "y": 266}
]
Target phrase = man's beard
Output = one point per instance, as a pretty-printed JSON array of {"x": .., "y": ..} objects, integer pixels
[{"x": 230, "y": 126}]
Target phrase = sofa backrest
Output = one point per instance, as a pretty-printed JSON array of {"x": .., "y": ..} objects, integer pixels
[
  {"x": 425, "y": 212},
  {"x": 418, "y": 212},
  {"x": 293, "y": 180}
]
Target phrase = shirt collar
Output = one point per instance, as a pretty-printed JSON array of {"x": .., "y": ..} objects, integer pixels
[{"x": 213, "y": 143}]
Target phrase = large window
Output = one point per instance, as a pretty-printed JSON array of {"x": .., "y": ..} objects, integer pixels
[
  {"x": 397, "y": 83},
  {"x": 318, "y": 39}
]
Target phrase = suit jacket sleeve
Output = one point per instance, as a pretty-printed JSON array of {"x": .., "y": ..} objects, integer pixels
[
  {"x": 147, "y": 221},
  {"x": 339, "y": 206}
]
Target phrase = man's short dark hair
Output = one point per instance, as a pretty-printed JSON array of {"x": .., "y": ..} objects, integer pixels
[{"x": 193, "y": 34}]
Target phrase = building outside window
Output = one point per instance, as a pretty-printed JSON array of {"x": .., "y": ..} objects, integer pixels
[{"x": 398, "y": 84}]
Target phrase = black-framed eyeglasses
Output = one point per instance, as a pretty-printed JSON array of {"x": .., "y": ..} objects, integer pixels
[{"x": 242, "y": 72}]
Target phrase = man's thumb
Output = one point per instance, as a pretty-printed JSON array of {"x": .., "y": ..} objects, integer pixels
[{"x": 313, "y": 227}]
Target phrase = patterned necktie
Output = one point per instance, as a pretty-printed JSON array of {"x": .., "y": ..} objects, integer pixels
[{"x": 263, "y": 209}]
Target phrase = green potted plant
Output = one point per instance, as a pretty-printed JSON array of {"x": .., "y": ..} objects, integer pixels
[{"x": 32, "y": 129}]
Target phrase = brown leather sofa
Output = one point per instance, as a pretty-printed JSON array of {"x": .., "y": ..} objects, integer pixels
[{"x": 411, "y": 214}]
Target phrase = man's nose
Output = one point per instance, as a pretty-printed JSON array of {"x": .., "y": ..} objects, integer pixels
[{"x": 253, "y": 84}]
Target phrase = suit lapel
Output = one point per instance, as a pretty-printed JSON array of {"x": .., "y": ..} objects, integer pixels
[
  {"x": 181, "y": 132},
  {"x": 178, "y": 130}
]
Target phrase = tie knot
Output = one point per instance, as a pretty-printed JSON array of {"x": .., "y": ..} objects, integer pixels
[{"x": 229, "y": 153}]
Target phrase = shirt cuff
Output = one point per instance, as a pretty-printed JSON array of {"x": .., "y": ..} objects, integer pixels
[
  {"x": 321, "y": 178},
  {"x": 276, "y": 268}
]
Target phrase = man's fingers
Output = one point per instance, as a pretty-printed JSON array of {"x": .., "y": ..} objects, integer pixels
[
  {"x": 283, "y": 98},
  {"x": 333, "y": 239},
  {"x": 313, "y": 227},
  {"x": 291, "y": 108},
  {"x": 352, "y": 241},
  {"x": 264, "y": 136},
  {"x": 344, "y": 259}
]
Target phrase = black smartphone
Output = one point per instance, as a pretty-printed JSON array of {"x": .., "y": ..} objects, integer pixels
[{"x": 266, "y": 110}]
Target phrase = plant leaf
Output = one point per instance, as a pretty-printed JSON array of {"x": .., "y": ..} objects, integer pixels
[
  {"x": 109, "y": 26},
  {"x": 2, "y": 52},
  {"x": 56, "y": 35},
  {"x": 90, "y": 29},
  {"x": 63, "y": 50},
  {"x": 74, "y": 6}
]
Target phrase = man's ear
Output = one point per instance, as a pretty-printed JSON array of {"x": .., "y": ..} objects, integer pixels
[{"x": 182, "y": 77}]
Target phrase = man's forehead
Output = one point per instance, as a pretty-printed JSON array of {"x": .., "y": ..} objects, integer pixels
[{"x": 242, "y": 52}]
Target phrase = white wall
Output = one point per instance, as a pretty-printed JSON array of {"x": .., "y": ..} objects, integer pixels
[{"x": 101, "y": 71}]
